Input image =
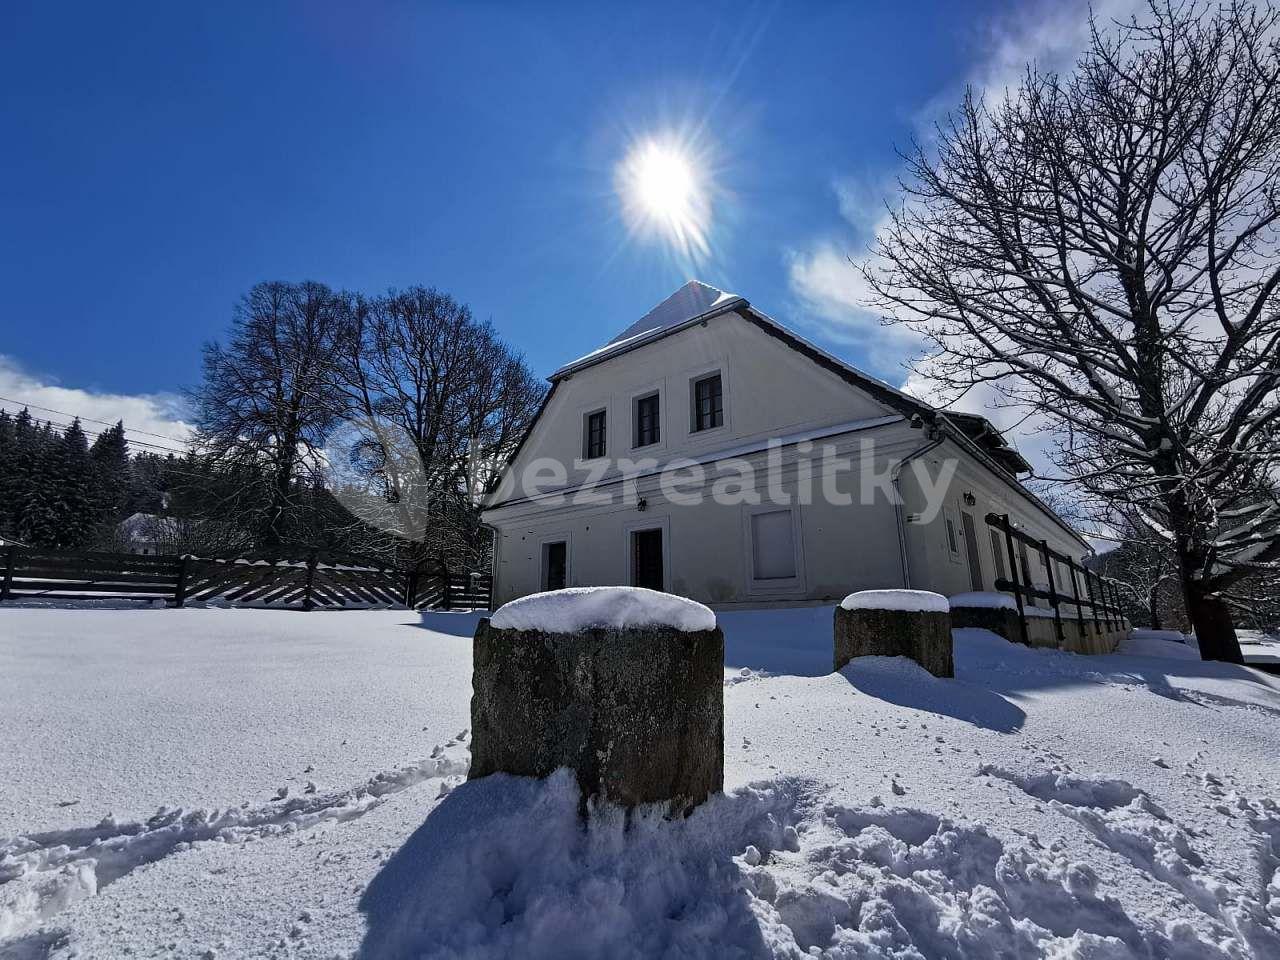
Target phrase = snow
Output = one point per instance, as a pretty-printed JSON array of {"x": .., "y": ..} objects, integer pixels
[
  {"x": 693, "y": 301},
  {"x": 1152, "y": 643},
  {"x": 918, "y": 601},
  {"x": 1039, "y": 804},
  {"x": 1259, "y": 649},
  {"x": 984, "y": 601},
  {"x": 1173, "y": 636},
  {"x": 581, "y": 608}
]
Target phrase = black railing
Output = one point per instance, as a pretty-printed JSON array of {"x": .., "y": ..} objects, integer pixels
[{"x": 1100, "y": 596}]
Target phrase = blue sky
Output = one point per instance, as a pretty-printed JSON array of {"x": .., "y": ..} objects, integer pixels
[{"x": 159, "y": 159}]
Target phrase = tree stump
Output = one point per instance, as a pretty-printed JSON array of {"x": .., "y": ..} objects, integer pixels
[
  {"x": 895, "y": 623},
  {"x": 636, "y": 712}
]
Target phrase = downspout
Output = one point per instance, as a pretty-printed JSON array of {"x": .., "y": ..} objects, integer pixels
[
  {"x": 493, "y": 559},
  {"x": 935, "y": 439}
]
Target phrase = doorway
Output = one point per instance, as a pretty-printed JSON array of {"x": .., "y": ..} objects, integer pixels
[
  {"x": 646, "y": 559},
  {"x": 971, "y": 547}
]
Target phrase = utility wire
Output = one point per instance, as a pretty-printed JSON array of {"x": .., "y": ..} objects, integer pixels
[
  {"x": 94, "y": 434},
  {"x": 63, "y": 413}
]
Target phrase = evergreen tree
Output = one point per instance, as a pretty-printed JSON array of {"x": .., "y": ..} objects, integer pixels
[
  {"x": 111, "y": 480},
  {"x": 6, "y": 471},
  {"x": 77, "y": 499}
]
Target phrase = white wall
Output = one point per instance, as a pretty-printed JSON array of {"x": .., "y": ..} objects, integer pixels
[{"x": 770, "y": 390}]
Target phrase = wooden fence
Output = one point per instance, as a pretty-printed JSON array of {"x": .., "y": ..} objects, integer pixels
[
  {"x": 1100, "y": 597},
  {"x": 315, "y": 581}
]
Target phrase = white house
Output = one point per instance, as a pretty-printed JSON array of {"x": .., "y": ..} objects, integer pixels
[
  {"x": 148, "y": 534},
  {"x": 711, "y": 452}
]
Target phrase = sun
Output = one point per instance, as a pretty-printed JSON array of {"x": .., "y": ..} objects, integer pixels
[{"x": 664, "y": 193}]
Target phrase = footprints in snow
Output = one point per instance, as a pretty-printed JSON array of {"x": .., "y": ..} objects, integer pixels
[
  {"x": 874, "y": 881},
  {"x": 43, "y": 873},
  {"x": 1127, "y": 822}
]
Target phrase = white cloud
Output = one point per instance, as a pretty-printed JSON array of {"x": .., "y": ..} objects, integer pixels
[
  {"x": 143, "y": 414},
  {"x": 835, "y": 295}
]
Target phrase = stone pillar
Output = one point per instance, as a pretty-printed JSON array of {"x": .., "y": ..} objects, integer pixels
[
  {"x": 636, "y": 712},
  {"x": 895, "y": 623},
  {"x": 997, "y": 612}
]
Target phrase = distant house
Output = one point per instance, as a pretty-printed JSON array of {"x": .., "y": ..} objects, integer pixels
[
  {"x": 620, "y": 478},
  {"x": 149, "y": 534}
]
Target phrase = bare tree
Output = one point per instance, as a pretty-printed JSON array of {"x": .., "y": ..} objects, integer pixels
[
  {"x": 269, "y": 397},
  {"x": 441, "y": 401},
  {"x": 1146, "y": 570},
  {"x": 1101, "y": 248}
]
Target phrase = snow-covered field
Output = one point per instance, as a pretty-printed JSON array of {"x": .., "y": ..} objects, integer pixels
[{"x": 228, "y": 783}]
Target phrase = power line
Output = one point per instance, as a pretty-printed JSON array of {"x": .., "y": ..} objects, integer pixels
[
  {"x": 133, "y": 443},
  {"x": 63, "y": 413}
]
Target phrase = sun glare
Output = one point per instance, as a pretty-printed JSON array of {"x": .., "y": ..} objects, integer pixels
[{"x": 664, "y": 193}]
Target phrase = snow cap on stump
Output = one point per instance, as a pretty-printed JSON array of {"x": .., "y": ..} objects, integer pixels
[
  {"x": 895, "y": 623},
  {"x": 622, "y": 685}
]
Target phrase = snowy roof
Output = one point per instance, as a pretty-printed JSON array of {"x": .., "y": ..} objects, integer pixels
[
  {"x": 148, "y": 526},
  {"x": 693, "y": 302}
]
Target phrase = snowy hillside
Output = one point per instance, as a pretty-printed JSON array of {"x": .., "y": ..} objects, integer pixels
[{"x": 232, "y": 783}]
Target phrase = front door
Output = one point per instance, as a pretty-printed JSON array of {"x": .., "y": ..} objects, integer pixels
[
  {"x": 554, "y": 567},
  {"x": 971, "y": 545},
  {"x": 646, "y": 559}
]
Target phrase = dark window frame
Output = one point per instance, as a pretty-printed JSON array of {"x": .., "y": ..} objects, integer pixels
[
  {"x": 646, "y": 425},
  {"x": 590, "y": 438},
  {"x": 707, "y": 413}
]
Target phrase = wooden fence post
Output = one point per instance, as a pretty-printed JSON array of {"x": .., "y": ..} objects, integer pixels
[
  {"x": 307, "y": 602},
  {"x": 10, "y": 556},
  {"x": 1075, "y": 592},
  {"x": 180, "y": 591},
  {"x": 1017, "y": 577},
  {"x": 446, "y": 602},
  {"x": 1053, "y": 590},
  {"x": 411, "y": 589}
]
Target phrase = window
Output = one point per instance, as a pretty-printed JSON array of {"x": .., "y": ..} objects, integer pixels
[
  {"x": 773, "y": 546},
  {"x": 997, "y": 551},
  {"x": 953, "y": 537},
  {"x": 646, "y": 559},
  {"x": 647, "y": 429},
  {"x": 555, "y": 565},
  {"x": 708, "y": 403},
  {"x": 594, "y": 445}
]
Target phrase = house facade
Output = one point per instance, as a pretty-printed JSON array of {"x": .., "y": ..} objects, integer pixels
[{"x": 711, "y": 452}]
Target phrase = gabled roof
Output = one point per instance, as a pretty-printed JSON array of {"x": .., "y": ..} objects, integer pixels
[{"x": 694, "y": 302}]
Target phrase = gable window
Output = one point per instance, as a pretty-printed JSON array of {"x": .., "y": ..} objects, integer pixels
[
  {"x": 593, "y": 442},
  {"x": 708, "y": 403},
  {"x": 647, "y": 428}
]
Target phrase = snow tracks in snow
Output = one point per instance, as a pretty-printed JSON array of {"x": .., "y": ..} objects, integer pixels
[{"x": 42, "y": 874}]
